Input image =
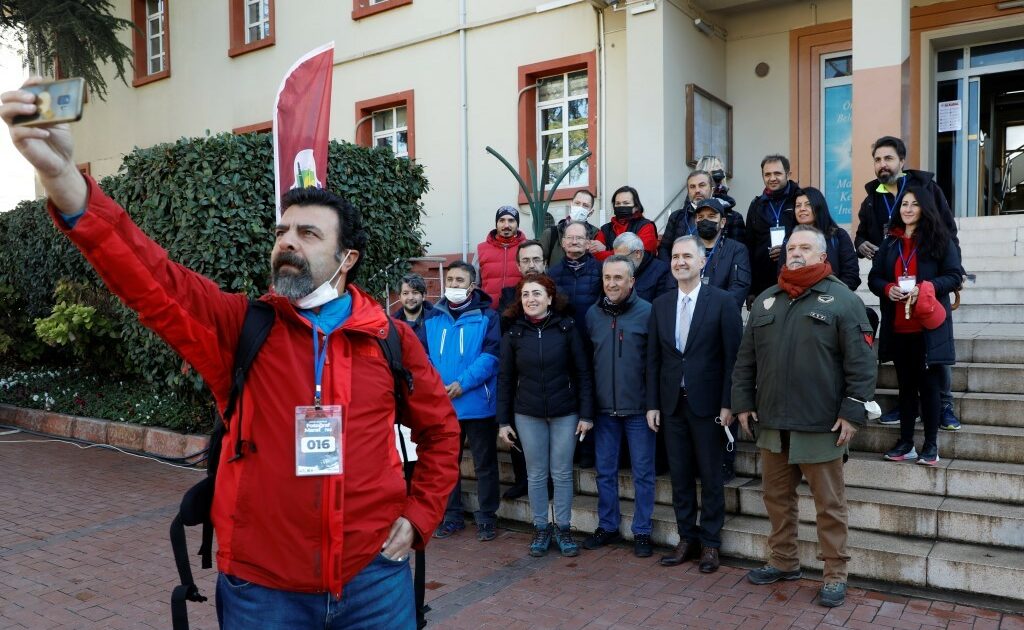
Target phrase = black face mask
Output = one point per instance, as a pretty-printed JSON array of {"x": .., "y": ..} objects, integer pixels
[
  {"x": 623, "y": 212},
  {"x": 707, "y": 229}
]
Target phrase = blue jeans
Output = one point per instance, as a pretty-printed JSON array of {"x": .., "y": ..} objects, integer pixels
[
  {"x": 608, "y": 434},
  {"x": 379, "y": 596},
  {"x": 548, "y": 444}
]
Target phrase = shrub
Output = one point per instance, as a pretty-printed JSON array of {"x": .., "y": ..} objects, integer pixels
[{"x": 210, "y": 203}]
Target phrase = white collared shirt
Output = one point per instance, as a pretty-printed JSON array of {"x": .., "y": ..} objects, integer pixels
[{"x": 679, "y": 305}]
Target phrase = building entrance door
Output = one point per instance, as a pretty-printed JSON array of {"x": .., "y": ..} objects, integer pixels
[{"x": 980, "y": 128}]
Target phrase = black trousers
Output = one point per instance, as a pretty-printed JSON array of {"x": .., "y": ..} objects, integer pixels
[
  {"x": 917, "y": 380},
  {"x": 695, "y": 448}
]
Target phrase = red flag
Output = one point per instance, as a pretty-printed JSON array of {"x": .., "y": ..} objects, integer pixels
[{"x": 302, "y": 116}]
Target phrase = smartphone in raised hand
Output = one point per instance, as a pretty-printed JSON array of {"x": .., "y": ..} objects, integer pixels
[{"x": 57, "y": 102}]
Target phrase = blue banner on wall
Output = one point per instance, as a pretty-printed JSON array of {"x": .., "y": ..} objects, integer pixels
[{"x": 837, "y": 152}]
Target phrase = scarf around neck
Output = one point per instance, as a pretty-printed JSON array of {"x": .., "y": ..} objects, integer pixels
[{"x": 796, "y": 281}]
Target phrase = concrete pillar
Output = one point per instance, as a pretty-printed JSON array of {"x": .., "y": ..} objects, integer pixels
[
  {"x": 645, "y": 118},
  {"x": 881, "y": 83}
]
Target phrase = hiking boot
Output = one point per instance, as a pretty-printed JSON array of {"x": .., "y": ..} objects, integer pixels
[
  {"x": 903, "y": 451},
  {"x": 769, "y": 575},
  {"x": 949, "y": 420},
  {"x": 600, "y": 538},
  {"x": 832, "y": 594},
  {"x": 566, "y": 544},
  {"x": 890, "y": 417},
  {"x": 929, "y": 455},
  {"x": 448, "y": 529},
  {"x": 541, "y": 541},
  {"x": 642, "y": 545},
  {"x": 485, "y": 532}
]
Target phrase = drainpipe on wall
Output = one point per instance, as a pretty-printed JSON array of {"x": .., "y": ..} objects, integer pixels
[
  {"x": 603, "y": 115},
  {"x": 464, "y": 131}
]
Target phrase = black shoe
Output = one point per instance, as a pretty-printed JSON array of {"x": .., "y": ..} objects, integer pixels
[
  {"x": 769, "y": 575},
  {"x": 514, "y": 492},
  {"x": 832, "y": 594},
  {"x": 642, "y": 546},
  {"x": 600, "y": 538},
  {"x": 728, "y": 472}
]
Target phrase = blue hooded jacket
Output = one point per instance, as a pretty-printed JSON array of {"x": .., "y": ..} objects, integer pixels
[{"x": 463, "y": 346}]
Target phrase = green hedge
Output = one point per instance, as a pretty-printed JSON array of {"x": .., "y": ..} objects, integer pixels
[{"x": 210, "y": 202}]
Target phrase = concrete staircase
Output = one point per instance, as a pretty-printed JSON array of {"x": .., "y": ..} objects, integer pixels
[{"x": 957, "y": 526}]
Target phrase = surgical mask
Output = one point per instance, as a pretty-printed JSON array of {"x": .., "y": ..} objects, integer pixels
[
  {"x": 456, "y": 296},
  {"x": 707, "y": 229},
  {"x": 579, "y": 214},
  {"x": 323, "y": 293},
  {"x": 623, "y": 212}
]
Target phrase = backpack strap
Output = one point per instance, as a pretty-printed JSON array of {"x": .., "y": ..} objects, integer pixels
[
  {"x": 391, "y": 346},
  {"x": 196, "y": 504}
]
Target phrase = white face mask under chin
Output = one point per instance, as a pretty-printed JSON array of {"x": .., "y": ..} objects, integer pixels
[{"x": 323, "y": 293}]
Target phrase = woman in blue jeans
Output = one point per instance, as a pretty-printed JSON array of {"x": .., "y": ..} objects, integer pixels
[{"x": 546, "y": 382}]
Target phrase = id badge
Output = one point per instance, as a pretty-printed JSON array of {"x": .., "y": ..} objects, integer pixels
[
  {"x": 778, "y": 235},
  {"x": 318, "y": 441},
  {"x": 907, "y": 283}
]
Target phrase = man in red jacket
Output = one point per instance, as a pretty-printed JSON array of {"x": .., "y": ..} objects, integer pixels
[
  {"x": 297, "y": 544},
  {"x": 496, "y": 256}
]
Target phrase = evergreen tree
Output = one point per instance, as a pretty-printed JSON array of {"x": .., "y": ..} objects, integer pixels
[{"x": 77, "y": 34}]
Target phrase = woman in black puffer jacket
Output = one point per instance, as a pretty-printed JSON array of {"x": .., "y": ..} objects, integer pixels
[{"x": 546, "y": 382}]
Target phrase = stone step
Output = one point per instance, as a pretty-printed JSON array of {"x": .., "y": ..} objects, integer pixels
[
  {"x": 892, "y": 558},
  {"x": 958, "y": 478},
  {"x": 975, "y": 568},
  {"x": 988, "y": 378},
  {"x": 976, "y": 443},
  {"x": 1001, "y": 221},
  {"x": 910, "y": 514},
  {"x": 990, "y": 234},
  {"x": 1005, "y": 410},
  {"x": 976, "y": 295},
  {"x": 988, "y": 314}
]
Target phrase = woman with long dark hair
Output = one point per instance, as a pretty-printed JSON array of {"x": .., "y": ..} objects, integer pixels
[
  {"x": 810, "y": 208},
  {"x": 916, "y": 262},
  {"x": 547, "y": 383}
]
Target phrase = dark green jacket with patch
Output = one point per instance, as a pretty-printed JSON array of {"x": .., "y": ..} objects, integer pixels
[{"x": 804, "y": 363}]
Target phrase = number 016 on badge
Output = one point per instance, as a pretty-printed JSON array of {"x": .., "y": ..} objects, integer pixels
[{"x": 318, "y": 441}]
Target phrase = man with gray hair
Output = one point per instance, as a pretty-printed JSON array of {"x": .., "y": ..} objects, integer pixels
[
  {"x": 617, "y": 327},
  {"x": 804, "y": 371},
  {"x": 652, "y": 276}
]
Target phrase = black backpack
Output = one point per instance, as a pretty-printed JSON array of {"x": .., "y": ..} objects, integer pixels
[{"x": 196, "y": 504}]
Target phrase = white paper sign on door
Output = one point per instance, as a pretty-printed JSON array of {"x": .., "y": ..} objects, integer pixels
[{"x": 950, "y": 116}]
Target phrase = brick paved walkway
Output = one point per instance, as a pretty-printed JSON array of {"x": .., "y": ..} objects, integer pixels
[{"x": 83, "y": 544}]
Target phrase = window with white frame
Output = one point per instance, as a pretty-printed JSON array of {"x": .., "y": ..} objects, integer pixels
[
  {"x": 257, "y": 20},
  {"x": 837, "y": 134},
  {"x": 562, "y": 124},
  {"x": 155, "y": 53},
  {"x": 390, "y": 129}
]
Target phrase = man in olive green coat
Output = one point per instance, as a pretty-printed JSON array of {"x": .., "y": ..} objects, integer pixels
[{"x": 804, "y": 371}]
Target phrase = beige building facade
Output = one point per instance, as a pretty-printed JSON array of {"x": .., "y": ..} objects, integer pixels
[{"x": 648, "y": 86}]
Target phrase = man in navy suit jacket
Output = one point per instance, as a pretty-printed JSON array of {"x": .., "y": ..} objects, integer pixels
[{"x": 692, "y": 340}]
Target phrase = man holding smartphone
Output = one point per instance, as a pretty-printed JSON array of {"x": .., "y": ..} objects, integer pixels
[{"x": 289, "y": 539}]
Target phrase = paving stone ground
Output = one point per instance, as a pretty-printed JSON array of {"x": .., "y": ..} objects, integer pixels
[{"x": 83, "y": 544}]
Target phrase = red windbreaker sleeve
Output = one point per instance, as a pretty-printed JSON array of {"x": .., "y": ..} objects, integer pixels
[
  {"x": 649, "y": 235},
  {"x": 187, "y": 310},
  {"x": 435, "y": 430}
]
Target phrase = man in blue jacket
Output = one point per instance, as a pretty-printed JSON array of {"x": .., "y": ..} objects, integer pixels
[
  {"x": 727, "y": 263},
  {"x": 463, "y": 341}
]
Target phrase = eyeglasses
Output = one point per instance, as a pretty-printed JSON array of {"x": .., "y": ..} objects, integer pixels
[{"x": 575, "y": 239}]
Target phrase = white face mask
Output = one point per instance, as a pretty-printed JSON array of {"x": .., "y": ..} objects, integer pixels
[
  {"x": 456, "y": 296},
  {"x": 579, "y": 214},
  {"x": 323, "y": 293}
]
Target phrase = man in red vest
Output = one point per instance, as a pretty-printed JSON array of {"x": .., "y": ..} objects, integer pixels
[{"x": 496, "y": 256}]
